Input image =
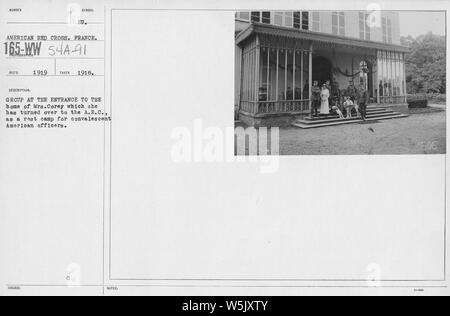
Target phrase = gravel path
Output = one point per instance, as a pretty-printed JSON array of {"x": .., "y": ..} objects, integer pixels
[{"x": 424, "y": 132}]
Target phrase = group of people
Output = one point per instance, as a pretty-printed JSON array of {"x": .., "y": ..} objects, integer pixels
[{"x": 348, "y": 100}]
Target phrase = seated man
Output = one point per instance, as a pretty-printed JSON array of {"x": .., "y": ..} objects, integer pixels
[{"x": 352, "y": 92}]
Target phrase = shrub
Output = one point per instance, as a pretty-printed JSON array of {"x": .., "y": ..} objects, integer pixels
[
  {"x": 437, "y": 98},
  {"x": 417, "y": 101}
]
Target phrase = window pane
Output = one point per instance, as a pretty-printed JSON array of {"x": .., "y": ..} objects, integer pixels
[
  {"x": 278, "y": 18},
  {"x": 389, "y": 30},
  {"x": 388, "y": 75},
  {"x": 263, "y": 71},
  {"x": 316, "y": 21},
  {"x": 256, "y": 16},
  {"x": 334, "y": 22},
  {"x": 281, "y": 74},
  {"x": 397, "y": 75},
  {"x": 305, "y": 75},
  {"x": 245, "y": 78},
  {"x": 384, "y": 29},
  {"x": 394, "y": 74},
  {"x": 305, "y": 20},
  {"x": 266, "y": 17},
  {"x": 362, "y": 28},
  {"x": 298, "y": 75},
  {"x": 341, "y": 19},
  {"x": 288, "y": 19},
  {"x": 335, "y": 18},
  {"x": 250, "y": 75},
  {"x": 402, "y": 64},
  {"x": 290, "y": 75},
  {"x": 244, "y": 16},
  {"x": 273, "y": 75},
  {"x": 379, "y": 76},
  {"x": 297, "y": 19},
  {"x": 341, "y": 24}
]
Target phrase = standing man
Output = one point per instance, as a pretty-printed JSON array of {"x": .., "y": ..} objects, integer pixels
[
  {"x": 363, "y": 99},
  {"x": 352, "y": 92},
  {"x": 315, "y": 99},
  {"x": 328, "y": 85}
]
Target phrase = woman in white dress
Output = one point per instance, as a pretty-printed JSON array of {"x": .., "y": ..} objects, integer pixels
[{"x": 325, "y": 95}]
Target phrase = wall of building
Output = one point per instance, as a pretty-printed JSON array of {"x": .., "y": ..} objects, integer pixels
[
  {"x": 352, "y": 27},
  {"x": 344, "y": 60}
]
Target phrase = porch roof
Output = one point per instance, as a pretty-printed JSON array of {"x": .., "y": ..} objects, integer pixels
[{"x": 268, "y": 29}]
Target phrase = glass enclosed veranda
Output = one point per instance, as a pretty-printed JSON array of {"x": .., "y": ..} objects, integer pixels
[
  {"x": 275, "y": 78},
  {"x": 277, "y": 72},
  {"x": 391, "y": 77}
]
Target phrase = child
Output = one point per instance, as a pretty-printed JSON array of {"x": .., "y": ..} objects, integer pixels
[{"x": 349, "y": 106}]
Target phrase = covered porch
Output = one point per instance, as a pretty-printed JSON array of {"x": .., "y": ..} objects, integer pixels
[{"x": 278, "y": 66}]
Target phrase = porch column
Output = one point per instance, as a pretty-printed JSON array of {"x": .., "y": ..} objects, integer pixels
[{"x": 310, "y": 74}]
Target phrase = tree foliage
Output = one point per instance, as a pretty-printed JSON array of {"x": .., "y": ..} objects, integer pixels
[{"x": 426, "y": 64}]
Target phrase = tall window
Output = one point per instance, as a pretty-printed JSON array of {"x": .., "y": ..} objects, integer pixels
[
  {"x": 290, "y": 75},
  {"x": 264, "y": 75},
  {"x": 364, "y": 29},
  {"x": 260, "y": 16},
  {"x": 301, "y": 20},
  {"x": 316, "y": 21},
  {"x": 283, "y": 74},
  {"x": 278, "y": 18},
  {"x": 387, "y": 30},
  {"x": 282, "y": 18},
  {"x": 256, "y": 16},
  {"x": 305, "y": 20},
  {"x": 338, "y": 23},
  {"x": 288, "y": 19}
]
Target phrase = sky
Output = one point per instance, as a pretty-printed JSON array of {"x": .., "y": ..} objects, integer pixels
[{"x": 419, "y": 23}]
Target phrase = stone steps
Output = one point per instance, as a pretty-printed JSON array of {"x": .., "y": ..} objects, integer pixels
[
  {"x": 335, "y": 116},
  {"x": 373, "y": 114}
]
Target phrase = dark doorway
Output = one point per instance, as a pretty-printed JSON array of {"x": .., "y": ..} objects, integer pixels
[{"x": 321, "y": 70}]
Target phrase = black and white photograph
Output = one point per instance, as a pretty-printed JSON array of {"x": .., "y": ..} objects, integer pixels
[
  {"x": 223, "y": 156},
  {"x": 343, "y": 82}
]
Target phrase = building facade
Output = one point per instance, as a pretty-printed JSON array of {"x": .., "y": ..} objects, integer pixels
[{"x": 280, "y": 54}]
